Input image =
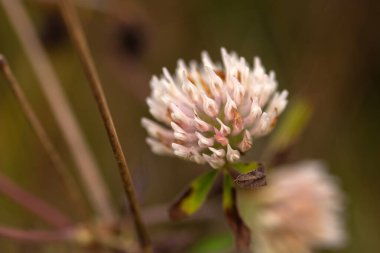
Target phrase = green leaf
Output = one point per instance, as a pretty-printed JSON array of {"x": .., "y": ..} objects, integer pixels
[
  {"x": 244, "y": 167},
  {"x": 213, "y": 244},
  {"x": 193, "y": 198},
  {"x": 293, "y": 123}
]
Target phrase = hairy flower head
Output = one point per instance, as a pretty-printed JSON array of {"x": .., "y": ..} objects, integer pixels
[
  {"x": 298, "y": 211},
  {"x": 209, "y": 112}
]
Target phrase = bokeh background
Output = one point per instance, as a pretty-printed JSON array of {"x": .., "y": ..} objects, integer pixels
[{"x": 326, "y": 51}]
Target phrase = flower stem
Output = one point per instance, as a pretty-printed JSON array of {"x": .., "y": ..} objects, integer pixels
[
  {"x": 88, "y": 170},
  {"x": 76, "y": 32},
  {"x": 33, "y": 235},
  {"x": 34, "y": 204},
  {"x": 57, "y": 161}
]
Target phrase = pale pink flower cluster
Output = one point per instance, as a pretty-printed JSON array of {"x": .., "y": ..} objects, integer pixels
[
  {"x": 209, "y": 113},
  {"x": 298, "y": 211}
]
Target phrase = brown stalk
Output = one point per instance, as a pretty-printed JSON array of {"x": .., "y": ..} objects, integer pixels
[
  {"x": 34, "y": 235},
  {"x": 57, "y": 161},
  {"x": 76, "y": 32},
  {"x": 34, "y": 204},
  {"x": 94, "y": 185}
]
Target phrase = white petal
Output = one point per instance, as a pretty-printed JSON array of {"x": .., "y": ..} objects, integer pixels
[
  {"x": 214, "y": 162},
  {"x": 157, "y": 131},
  {"x": 254, "y": 113},
  {"x": 219, "y": 137},
  {"x": 201, "y": 125},
  {"x": 230, "y": 108},
  {"x": 198, "y": 158},
  {"x": 225, "y": 130},
  {"x": 258, "y": 69},
  {"x": 179, "y": 116},
  {"x": 209, "y": 106},
  {"x": 246, "y": 143},
  {"x": 218, "y": 152},
  {"x": 214, "y": 77},
  {"x": 158, "y": 147},
  {"x": 181, "y": 150},
  {"x": 181, "y": 134},
  {"x": 278, "y": 103},
  {"x": 158, "y": 110},
  {"x": 207, "y": 60},
  {"x": 215, "y": 83},
  {"x": 167, "y": 75},
  {"x": 263, "y": 125},
  {"x": 177, "y": 128},
  {"x": 203, "y": 141},
  {"x": 190, "y": 89},
  {"x": 238, "y": 90},
  {"x": 226, "y": 58},
  {"x": 232, "y": 155}
]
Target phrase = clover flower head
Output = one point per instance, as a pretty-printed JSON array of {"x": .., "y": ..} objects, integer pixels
[
  {"x": 209, "y": 112},
  {"x": 298, "y": 211}
]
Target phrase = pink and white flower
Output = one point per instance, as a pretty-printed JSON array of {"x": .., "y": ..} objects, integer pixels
[
  {"x": 298, "y": 211},
  {"x": 209, "y": 112}
]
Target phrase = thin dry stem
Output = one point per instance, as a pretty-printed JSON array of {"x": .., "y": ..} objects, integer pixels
[
  {"x": 75, "y": 29},
  {"x": 89, "y": 5},
  {"x": 68, "y": 179},
  {"x": 94, "y": 185},
  {"x": 34, "y": 204},
  {"x": 33, "y": 235}
]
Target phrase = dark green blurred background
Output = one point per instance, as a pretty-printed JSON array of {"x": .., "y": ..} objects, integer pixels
[{"x": 325, "y": 50}]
